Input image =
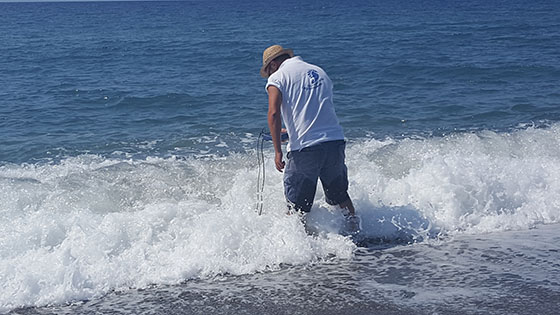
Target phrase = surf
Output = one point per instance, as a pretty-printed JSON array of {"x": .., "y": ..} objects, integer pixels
[{"x": 87, "y": 225}]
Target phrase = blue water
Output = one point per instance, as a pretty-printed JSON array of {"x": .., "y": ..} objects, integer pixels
[
  {"x": 100, "y": 77},
  {"x": 128, "y": 133}
]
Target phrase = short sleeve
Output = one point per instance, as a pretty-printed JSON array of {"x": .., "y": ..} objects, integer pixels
[{"x": 274, "y": 81}]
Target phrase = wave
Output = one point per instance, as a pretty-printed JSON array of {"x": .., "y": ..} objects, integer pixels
[
  {"x": 87, "y": 225},
  {"x": 474, "y": 182}
]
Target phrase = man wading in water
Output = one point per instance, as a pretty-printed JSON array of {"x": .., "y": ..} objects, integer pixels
[{"x": 300, "y": 94}]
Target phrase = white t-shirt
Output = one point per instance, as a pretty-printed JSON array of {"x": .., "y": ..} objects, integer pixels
[{"x": 307, "y": 104}]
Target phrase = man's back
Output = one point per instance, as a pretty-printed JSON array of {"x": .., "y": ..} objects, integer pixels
[{"x": 307, "y": 104}]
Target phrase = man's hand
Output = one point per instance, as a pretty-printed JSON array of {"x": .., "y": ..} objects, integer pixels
[{"x": 278, "y": 160}]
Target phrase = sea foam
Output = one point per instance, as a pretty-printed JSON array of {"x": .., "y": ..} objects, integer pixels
[
  {"x": 469, "y": 182},
  {"x": 87, "y": 225}
]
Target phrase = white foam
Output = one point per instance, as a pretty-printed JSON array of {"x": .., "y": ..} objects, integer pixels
[
  {"x": 474, "y": 183},
  {"x": 88, "y": 225}
]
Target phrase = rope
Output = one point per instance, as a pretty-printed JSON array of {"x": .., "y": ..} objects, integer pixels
[
  {"x": 261, "y": 175},
  {"x": 263, "y": 136}
]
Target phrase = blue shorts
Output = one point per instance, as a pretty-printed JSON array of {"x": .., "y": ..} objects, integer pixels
[{"x": 324, "y": 161}]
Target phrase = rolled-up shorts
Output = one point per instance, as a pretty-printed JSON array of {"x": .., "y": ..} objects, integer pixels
[{"x": 324, "y": 161}]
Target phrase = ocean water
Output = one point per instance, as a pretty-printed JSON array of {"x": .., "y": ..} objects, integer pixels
[{"x": 128, "y": 161}]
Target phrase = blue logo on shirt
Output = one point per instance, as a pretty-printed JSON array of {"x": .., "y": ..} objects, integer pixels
[
  {"x": 314, "y": 75},
  {"x": 315, "y": 79}
]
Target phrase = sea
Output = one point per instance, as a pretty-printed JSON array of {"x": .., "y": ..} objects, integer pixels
[{"x": 129, "y": 158}]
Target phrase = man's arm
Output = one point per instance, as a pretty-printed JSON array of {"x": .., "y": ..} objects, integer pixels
[{"x": 275, "y": 124}]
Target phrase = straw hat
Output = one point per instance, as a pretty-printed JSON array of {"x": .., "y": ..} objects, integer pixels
[{"x": 270, "y": 54}]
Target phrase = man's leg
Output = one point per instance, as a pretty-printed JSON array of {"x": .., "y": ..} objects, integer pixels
[
  {"x": 353, "y": 224},
  {"x": 334, "y": 177},
  {"x": 300, "y": 179},
  {"x": 348, "y": 206},
  {"x": 300, "y": 183}
]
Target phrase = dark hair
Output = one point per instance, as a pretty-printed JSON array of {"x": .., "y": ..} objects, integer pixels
[{"x": 282, "y": 58}]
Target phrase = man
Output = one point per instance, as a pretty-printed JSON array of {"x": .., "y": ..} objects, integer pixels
[{"x": 300, "y": 94}]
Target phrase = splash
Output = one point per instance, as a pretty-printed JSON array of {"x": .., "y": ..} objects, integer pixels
[
  {"x": 87, "y": 225},
  {"x": 463, "y": 183}
]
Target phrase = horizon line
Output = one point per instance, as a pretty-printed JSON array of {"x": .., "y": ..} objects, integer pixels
[{"x": 80, "y": 1}]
